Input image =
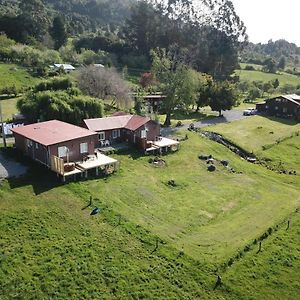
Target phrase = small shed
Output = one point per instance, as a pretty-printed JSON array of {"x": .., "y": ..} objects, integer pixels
[{"x": 65, "y": 67}]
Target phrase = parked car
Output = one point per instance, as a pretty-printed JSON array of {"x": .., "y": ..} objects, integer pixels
[{"x": 249, "y": 111}]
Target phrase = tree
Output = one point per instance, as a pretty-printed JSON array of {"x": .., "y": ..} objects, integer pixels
[
  {"x": 60, "y": 105},
  {"x": 254, "y": 93},
  {"x": 177, "y": 79},
  {"x": 267, "y": 86},
  {"x": 270, "y": 65},
  {"x": 104, "y": 83},
  {"x": 147, "y": 79},
  {"x": 58, "y": 32},
  {"x": 204, "y": 92},
  {"x": 34, "y": 19},
  {"x": 275, "y": 83},
  {"x": 282, "y": 63},
  {"x": 212, "y": 35},
  {"x": 223, "y": 96}
]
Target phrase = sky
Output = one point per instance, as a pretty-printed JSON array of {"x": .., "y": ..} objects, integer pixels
[{"x": 270, "y": 19}]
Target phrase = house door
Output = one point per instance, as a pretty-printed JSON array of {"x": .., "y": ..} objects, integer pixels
[{"x": 134, "y": 138}]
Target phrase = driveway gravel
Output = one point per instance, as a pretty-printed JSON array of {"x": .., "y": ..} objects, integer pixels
[{"x": 10, "y": 168}]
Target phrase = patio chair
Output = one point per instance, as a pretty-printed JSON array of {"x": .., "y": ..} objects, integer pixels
[{"x": 107, "y": 143}]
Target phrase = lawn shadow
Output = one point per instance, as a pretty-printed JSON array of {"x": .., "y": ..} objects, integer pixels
[
  {"x": 39, "y": 177},
  {"x": 285, "y": 121},
  {"x": 194, "y": 116},
  {"x": 41, "y": 180}
]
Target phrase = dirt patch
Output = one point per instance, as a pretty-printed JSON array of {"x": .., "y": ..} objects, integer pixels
[{"x": 229, "y": 206}]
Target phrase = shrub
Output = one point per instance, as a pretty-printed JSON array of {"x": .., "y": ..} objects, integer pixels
[{"x": 249, "y": 68}]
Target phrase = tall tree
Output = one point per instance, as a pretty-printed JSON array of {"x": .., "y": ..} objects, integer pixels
[
  {"x": 33, "y": 18},
  {"x": 211, "y": 31},
  {"x": 223, "y": 96},
  {"x": 270, "y": 65},
  {"x": 281, "y": 63},
  {"x": 58, "y": 32},
  {"x": 177, "y": 80}
]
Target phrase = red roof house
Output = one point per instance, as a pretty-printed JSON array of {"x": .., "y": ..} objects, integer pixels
[
  {"x": 42, "y": 140},
  {"x": 134, "y": 129}
]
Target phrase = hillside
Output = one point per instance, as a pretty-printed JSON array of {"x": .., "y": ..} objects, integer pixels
[
  {"x": 258, "y": 53},
  {"x": 208, "y": 224},
  {"x": 82, "y": 15}
]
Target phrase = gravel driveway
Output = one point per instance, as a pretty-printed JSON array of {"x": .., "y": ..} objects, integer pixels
[
  {"x": 10, "y": 168},
  {"x": 228, "y": 116}
]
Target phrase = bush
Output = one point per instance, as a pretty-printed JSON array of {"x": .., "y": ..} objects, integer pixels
[
  {"x": 55, "y": 84},
  {"x": 249, "y": 68}
]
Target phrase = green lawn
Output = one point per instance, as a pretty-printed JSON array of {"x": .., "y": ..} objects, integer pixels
[
  {"x": 274, "y": 140},
  {"x": 272, "y": 273},
  {"x": 9, "y": 108},
  {"x": 11, "y": 74},
  {"x": 51, "y": 247},
  {"x": 255, "y": 132},
  {"x": 284, "y": 78}
]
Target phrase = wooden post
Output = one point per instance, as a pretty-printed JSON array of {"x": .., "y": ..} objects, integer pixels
[
  {"x": 259, "y": 249},
  {"x": 2, "y": 127}
]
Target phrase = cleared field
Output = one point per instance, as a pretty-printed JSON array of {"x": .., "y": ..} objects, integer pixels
[
  {"x": 284, "y": 78},
  {"x": 51, "y": 246},
  {"x": 255, "y": 132},
  {"x": 11, "y": 74},
  {"x": 285, "y": 154},
  {"x": 9, "y": 107},
  {"x": 272, "y": 273}
]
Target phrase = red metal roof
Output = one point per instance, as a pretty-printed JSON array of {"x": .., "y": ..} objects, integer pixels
[
  {"x": 136, "y": 122},
  {"x": 52, "y": 132},
  {"x": 131, "y": 122}
]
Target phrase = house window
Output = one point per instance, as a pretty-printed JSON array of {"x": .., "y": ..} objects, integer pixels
[
  {"x": 29, "y": 143},
  {"x": 62, "y": 151},
  {"x": 284, "y": 110},
  {"x": 143, "y": 134},
  {"x": 84, "y": 148},
  {"x": 116, "y": 133},
  {"x": 276, "y": 107},
  {"x": 101, "y": 136},
  {"x": 36, "y": 145}
]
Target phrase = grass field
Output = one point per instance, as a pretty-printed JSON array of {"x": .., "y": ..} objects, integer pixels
[
  {"x": 284, "y": 78},
  {"x": 272, "y": 273},
  {"x": 9, "y": 107},
  {"x": 11, "y": 74},
  {"x": 51, "y": 247},
  {"x": 274, "y": 140}
]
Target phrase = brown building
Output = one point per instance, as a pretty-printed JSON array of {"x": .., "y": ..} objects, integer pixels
[
  {"x": 287, "y": 106},
  {"x": 41, "y": 141},
  {"x": 137, "y": 130}
]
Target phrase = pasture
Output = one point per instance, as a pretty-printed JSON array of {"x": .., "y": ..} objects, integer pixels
[
  {"x": 273, "y": 140},
  {"x": 11, "y": 74},
  {"x": 150, "y": 240},
  {"x": 9, "y": 107},
  {"x": 284, "y": 78}
]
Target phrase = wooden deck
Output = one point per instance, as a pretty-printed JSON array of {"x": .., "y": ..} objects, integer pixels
[{"x": 99, "y": 162}]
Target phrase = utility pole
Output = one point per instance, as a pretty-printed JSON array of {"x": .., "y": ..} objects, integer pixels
[{"x": 2, "y": 127}]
